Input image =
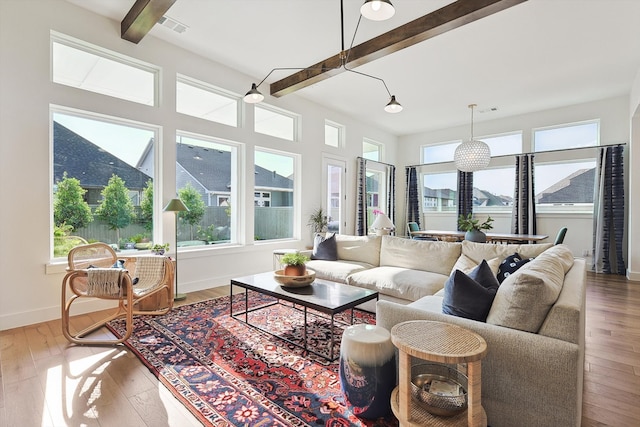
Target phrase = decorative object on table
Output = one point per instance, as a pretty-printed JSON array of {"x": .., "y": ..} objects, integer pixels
[
  {"x": 372, "y": 9},
  {"x": 472, "y": 155},
  {"x": 290, "y": 281},
  {"x": 367, "y": 370},
  {"x": 176, "y": 206},
  {"x": 294, "y": 264},
  {"x": 474, "y": 228},
  {"x": 439, "y": 389},
  {"x": 382, "y": 225},
  {"x": 160, "y": 249}
]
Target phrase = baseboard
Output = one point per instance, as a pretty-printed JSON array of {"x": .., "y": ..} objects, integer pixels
[{"x": 633, "y": 275}]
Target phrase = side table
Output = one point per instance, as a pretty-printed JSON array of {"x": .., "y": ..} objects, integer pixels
[{"x": 440, "y": 343}]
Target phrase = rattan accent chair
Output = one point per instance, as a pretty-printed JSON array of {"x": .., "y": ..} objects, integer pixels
[{"x": 91, "y": 274}]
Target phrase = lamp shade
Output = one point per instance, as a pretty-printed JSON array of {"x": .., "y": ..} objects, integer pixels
[
  {"x": 472, "y": 155},
  {"x": 175, "y": 205},
  {"x": 382, "y": 221},
  {"x": 377, "y": 10},
  {"x": 253, "y": 96},
  {"x": 393, "y": 106}
]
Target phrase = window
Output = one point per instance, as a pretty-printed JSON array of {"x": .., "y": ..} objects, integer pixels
[
  {"x": 206, "y": 179},
  {"x": 90, "y": 154},
  {"x": 198, "y": 99},
  {"x": 440, "y": 192},
  {"x": 493, "y": 189},
  {"x": 586, "y": 134},
  {"x": 439, "y": 153},
  {"x": 78, "y": 64},
  {"x": 333, "y": 134},
  {"x": 371, "y": 150},
  {"x": 500, "y": 145},
  {"x": 272, "y": 121},
  {"x": 274, "y": 195},
  {"x": 567, "y": 184}
]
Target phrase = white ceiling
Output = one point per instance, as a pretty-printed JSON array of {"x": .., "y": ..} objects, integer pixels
[{"x": 537, "y": 55}]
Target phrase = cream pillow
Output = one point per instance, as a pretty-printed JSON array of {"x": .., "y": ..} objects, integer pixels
[
  {"x": 436, "y": 257},
  {"x": 358, "y": 248},
  {"x": 466, "y": 264},
  {"x": 525, "y": 297}
]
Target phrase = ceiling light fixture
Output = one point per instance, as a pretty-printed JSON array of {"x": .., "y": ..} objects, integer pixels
[
  {"x": 382, "y": 7},
  {"x": 472, "y": 155}
]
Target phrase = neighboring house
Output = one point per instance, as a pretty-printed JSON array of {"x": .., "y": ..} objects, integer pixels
[
  {"x": 575, "y": 189},
  {"x": 92, "y": 166},
  {"x": 485, "y": 198},
  {"x": 438, "y": 198}
]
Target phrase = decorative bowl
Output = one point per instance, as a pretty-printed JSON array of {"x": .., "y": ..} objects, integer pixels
[
  {"x": 450, "y": 398},
  {"x": 294, "y": 281}
]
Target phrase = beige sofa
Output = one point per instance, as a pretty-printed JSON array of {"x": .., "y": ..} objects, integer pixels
[{"x": 533, "y": 372}]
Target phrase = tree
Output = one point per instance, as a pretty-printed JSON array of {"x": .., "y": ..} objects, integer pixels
[
  {"x": 146, "y": 206},
  {"x": 116, "y": 208},
  {"x": 193, "y": 201},
  {"x": 69, "y": 207}
]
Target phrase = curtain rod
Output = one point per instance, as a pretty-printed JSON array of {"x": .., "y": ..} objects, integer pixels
[
  {"x": 535, "y": 152},
  {"x": 375, "y": 161}
]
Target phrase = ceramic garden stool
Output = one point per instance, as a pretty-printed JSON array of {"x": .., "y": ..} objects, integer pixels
[{"x": 367, "y": 370}]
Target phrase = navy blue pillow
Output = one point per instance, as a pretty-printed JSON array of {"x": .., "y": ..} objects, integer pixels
[
  {"x": 510, "y": 265},
  {"x": 470, "y": 296},
  {"x": 325, "y": 248}
]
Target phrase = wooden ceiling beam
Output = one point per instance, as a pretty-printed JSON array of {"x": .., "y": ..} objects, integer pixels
[
  {"x": 142, "y": 16},
  {"x": 447, "y": 18}
]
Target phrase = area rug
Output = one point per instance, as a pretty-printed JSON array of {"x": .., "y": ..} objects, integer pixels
[{"x": 230, "y": 374}]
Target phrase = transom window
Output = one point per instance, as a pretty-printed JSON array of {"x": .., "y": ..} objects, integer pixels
[
  {"x": 199, "y": 99},
  {"x": 333, "y": 134},
  {"x": 575, "y": 135},
  {"x": 371, "y": 150},
  {"x": 275, "y": 122}
]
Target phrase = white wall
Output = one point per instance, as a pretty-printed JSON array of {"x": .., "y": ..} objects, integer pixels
[
  {"x": 30, "y": 283},
  {"x": 614, "y": 128}
]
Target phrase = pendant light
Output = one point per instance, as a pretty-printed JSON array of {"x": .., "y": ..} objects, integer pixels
[
  {"x": 377, "y": 10},
  {"x": 472, "y": 155}
]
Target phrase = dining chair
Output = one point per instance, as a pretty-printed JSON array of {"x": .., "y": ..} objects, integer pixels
[
  {"x": 560, "y": 237},
  {"x": 412, "y": 227},
  {"x": 95, "y": 271}
]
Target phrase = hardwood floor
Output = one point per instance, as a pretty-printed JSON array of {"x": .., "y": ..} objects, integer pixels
[{"x": 46, "y": 382}]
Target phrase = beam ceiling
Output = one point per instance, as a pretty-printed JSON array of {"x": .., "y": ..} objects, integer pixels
[{"x": 142, "y": 16}]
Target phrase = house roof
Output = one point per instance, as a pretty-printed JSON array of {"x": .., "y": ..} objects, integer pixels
[{"x": 576, "y": 188}]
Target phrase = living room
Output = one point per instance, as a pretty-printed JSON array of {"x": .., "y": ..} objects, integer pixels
[{"x": 31, "y": 291}]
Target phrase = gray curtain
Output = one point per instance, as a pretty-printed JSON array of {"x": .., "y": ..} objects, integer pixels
[
  {"x": 465, "y": 193},
  {"x": 608, "y": 212},
  {"x": 361, "y": 194},
  {"x": 523, "y": 219},
  {"x": 412, "y": 199}
]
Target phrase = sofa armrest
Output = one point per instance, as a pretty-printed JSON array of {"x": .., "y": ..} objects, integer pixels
[{"x": 527, "y": 379}]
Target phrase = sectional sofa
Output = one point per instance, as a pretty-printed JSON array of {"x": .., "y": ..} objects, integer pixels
[{"x": 533, "y": 372}]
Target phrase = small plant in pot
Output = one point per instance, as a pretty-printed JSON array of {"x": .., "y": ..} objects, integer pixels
[
  {"x": 473, "y": 227},
  {"x": 159, "y": 249},
  {"x": 294, "y": 264}
]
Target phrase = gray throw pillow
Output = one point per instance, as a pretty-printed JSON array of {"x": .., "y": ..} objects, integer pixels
[
  {"x": 470, "y": 296},
  {"x": 325, "y": 248}
]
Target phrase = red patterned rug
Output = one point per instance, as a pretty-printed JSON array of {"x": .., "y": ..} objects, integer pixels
[{"x": 230, "y": 374}]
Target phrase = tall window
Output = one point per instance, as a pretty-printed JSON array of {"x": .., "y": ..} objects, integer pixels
[
  {"x": 333, "y": 134},
  {"x": 275, "y": 122},
  {"x": 84, "y": 66},
  {"x": 274, "y": 211},
  {"x": 103, "y": 182},
  {"x": 206, "y": 179},
  {"x": 371, "y": 150},
  {"x": 199, "y": 99},
  {"x": 439, "y": 192},
  {"x": 493, "y": 189}
]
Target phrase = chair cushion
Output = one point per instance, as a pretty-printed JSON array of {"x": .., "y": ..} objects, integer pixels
[
  {"x": 324, "y": 247},
  {"x": 470, "y": 296}
]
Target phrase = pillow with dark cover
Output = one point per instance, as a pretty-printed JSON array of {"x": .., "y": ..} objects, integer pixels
[
  {"x": 325, "y": 248},
  {"x": 510, "y": 265},
  {"x": 470, "y": 296}
]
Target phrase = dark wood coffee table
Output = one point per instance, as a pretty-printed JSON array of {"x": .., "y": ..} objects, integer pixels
[{"x": 324, "y": 296}]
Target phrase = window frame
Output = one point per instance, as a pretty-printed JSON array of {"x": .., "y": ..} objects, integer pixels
[
  {"x": 207, "y": 87},
  {"x": 295, "y": 125},
  {"x": 341, "y": 129},
  {"x": 565, "y": 126}
]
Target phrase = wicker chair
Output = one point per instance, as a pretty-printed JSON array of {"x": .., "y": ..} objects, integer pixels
[{"x": 91, "y": 274}]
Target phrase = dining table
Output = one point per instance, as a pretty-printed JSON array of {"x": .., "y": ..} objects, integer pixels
[{"x": 491, "y": 237}]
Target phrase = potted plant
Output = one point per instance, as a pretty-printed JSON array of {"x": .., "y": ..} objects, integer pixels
[
  {"x": 294, "y": 264},
  {"x": 473, "y": 227},
  {"x": 318, "y": 221},
  {"x": 159, "y": 249}
]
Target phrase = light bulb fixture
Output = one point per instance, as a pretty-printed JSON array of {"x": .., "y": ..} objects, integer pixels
[
  {"x": 381, "y": 8},
  {"x": 377, "y": 10},
  {"x": 472, "y": 155}
]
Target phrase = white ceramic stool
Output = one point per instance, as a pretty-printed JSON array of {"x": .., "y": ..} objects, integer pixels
[{"x": 278, "y": 254}]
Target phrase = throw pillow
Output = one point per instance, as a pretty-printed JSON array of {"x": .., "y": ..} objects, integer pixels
[
  {"x": 470, "y": 296},
  {"x": 325, "y": 247},
  {"x": 510, "y": 265}
]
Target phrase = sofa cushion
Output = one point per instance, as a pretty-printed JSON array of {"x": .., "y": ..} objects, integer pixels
[
  {"x": 510, "y": 265},
  {"x": 470, "y": 296},
  {"x": 438, "y": 257},
  {"x": 479, "y": 251},
  {"x": 399, "y": 282},
  {"x": 466, "y": 264},
  {"x": 324, "y": 247},
  {"x": 431, "y": 303},
  {"x": 359, "y": 248},
  {"x": 336, "y": 271},
  {"x": 525, "y": 297}
]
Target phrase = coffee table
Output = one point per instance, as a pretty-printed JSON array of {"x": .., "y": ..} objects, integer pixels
[{"x": 323, "y": 296}]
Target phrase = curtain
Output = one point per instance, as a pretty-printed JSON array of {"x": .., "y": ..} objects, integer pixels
[
  {"x": 361, "y": 194},
  {"x": 412, "y": 200},
  {"x": 608, "y": 212},
  {"x": 391, "y": 193},
  {"x": 523, "y": 218},
  {"x": 465, "y": 193}
]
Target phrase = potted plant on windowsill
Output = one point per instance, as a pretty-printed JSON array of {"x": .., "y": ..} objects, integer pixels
[
  {"x": 294, "y": 264},
  {"x": 159, "y": 249},
  {"x": 473, "y": 227}
]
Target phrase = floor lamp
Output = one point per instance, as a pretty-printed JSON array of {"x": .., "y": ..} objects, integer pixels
[{"x": 176, "y": 205}]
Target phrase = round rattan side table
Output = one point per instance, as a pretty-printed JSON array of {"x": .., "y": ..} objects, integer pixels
[{"x": 440, "y": 343}]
